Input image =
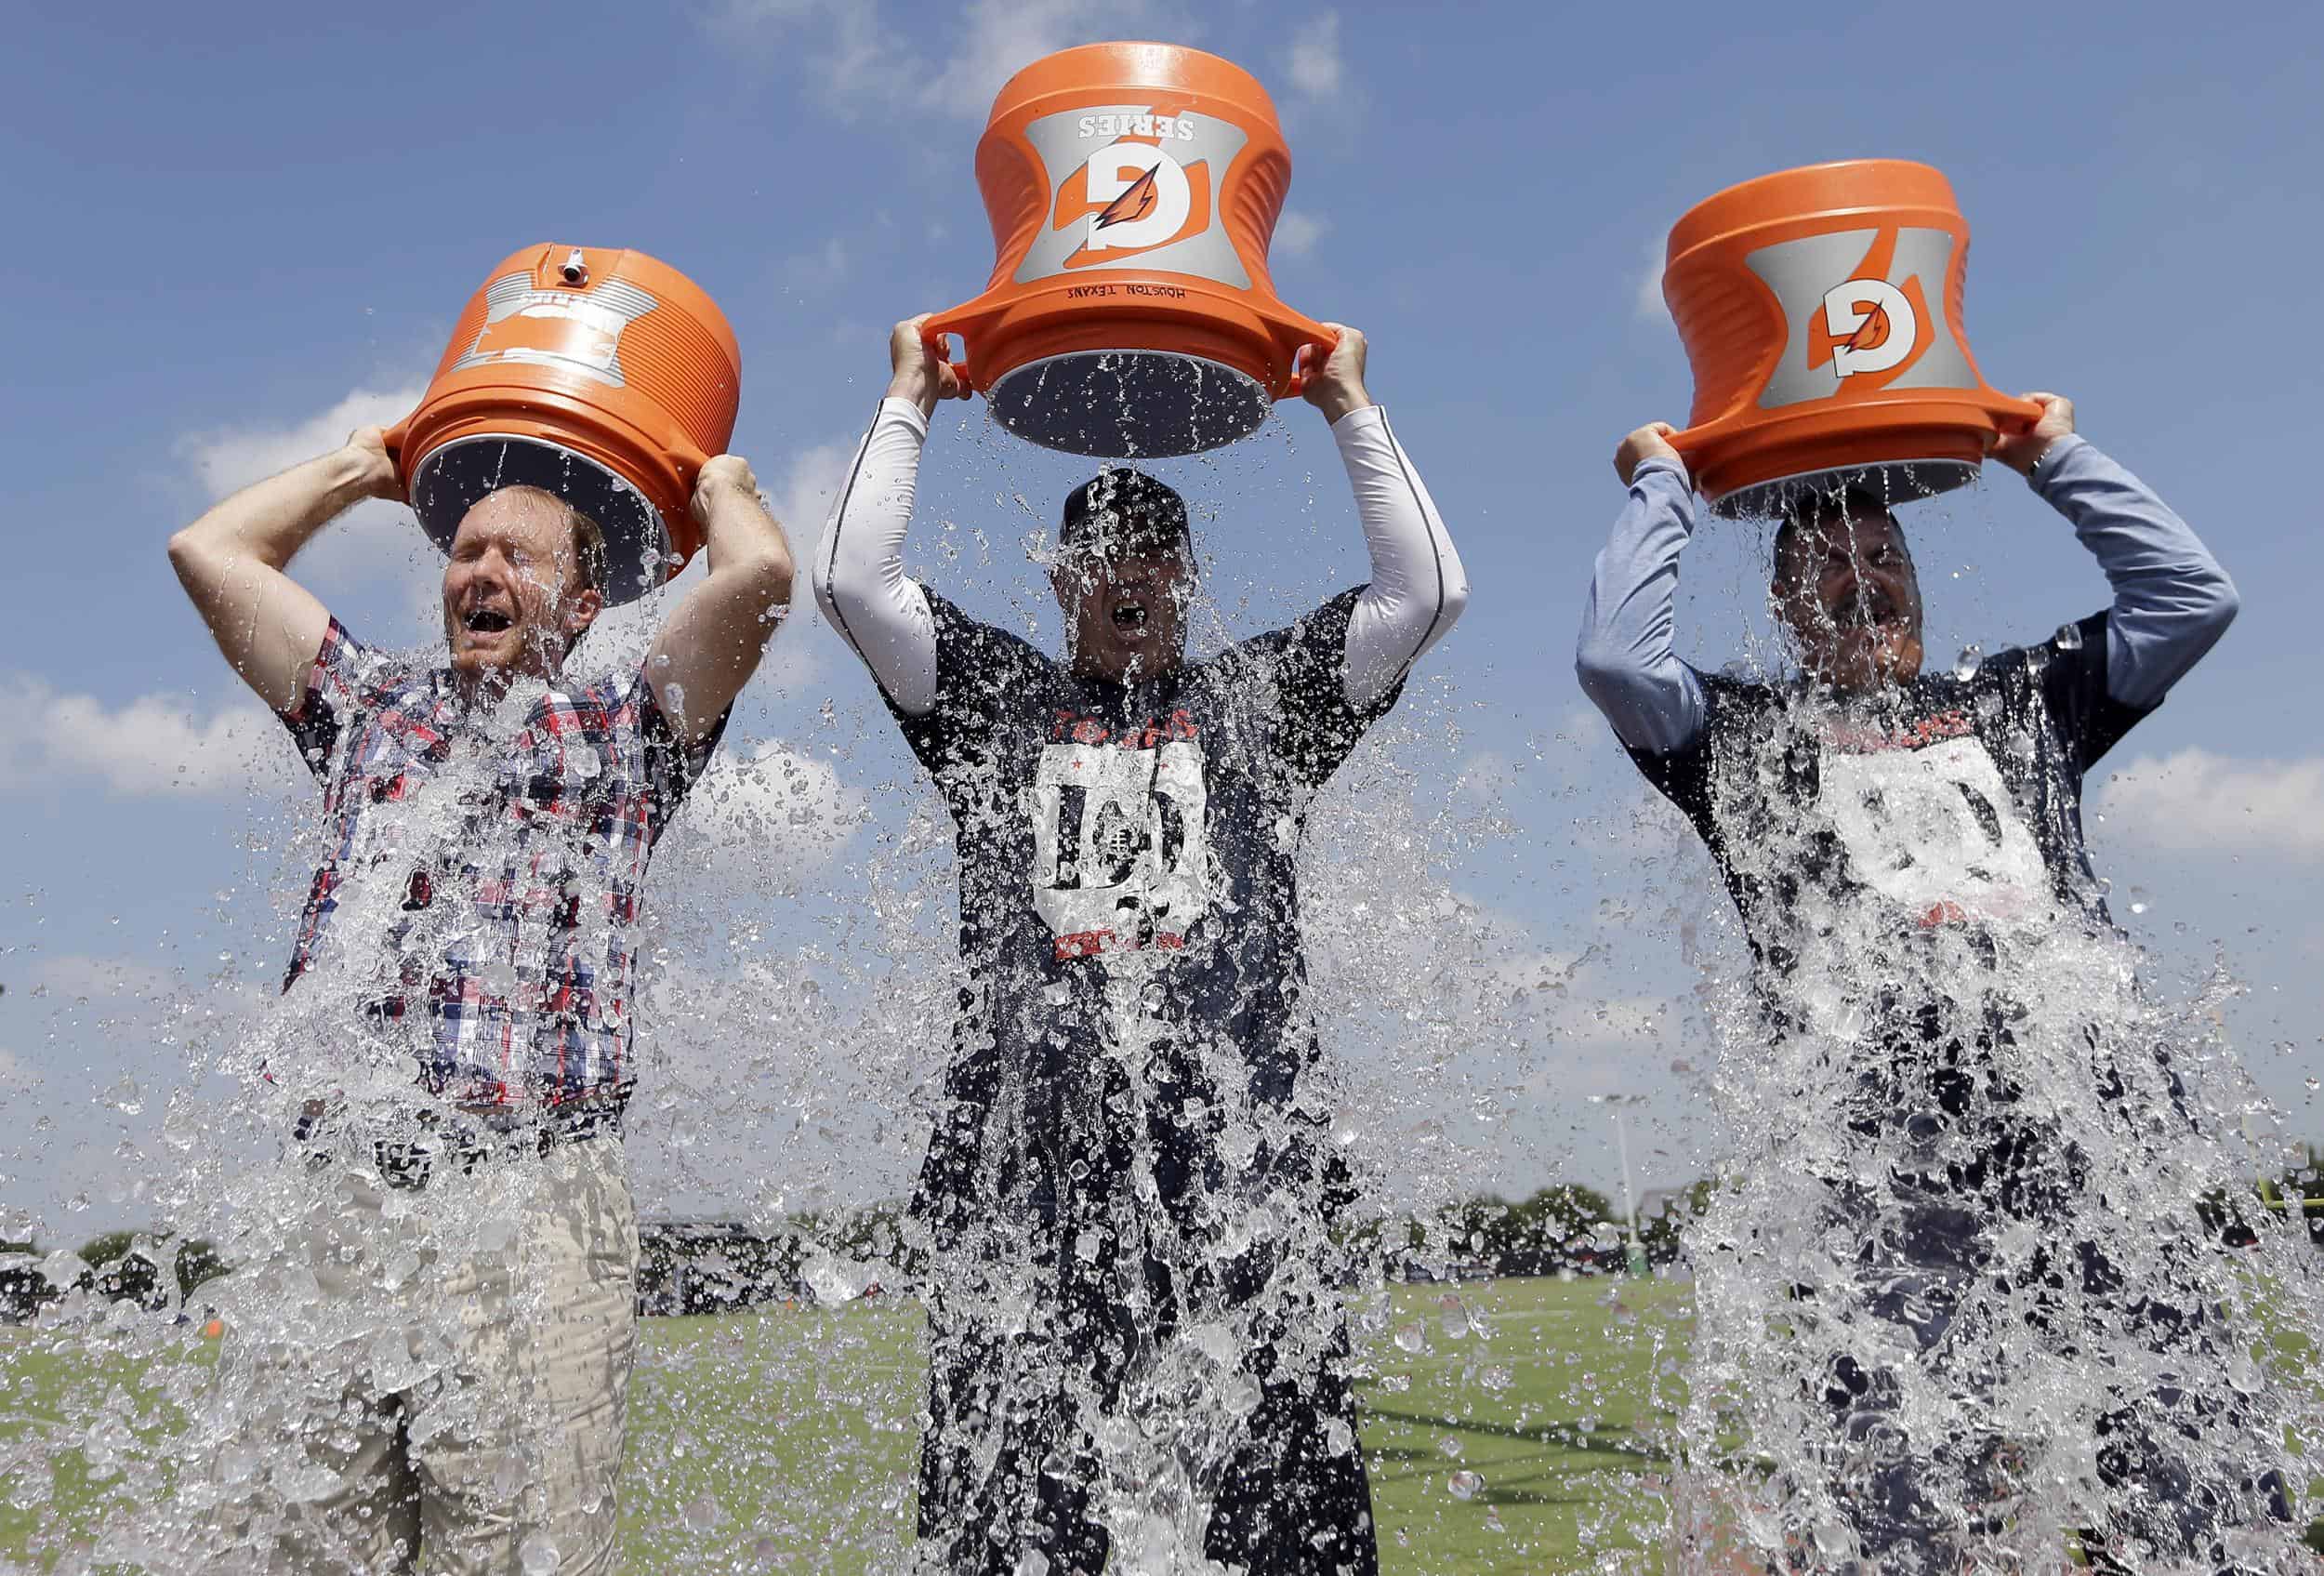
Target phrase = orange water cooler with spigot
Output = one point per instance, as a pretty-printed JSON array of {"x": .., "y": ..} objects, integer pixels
[
  {"x": 1133, "y": 190},
  {"x": 604, "y": 376},
  {"x": 1821, "y": 311}
]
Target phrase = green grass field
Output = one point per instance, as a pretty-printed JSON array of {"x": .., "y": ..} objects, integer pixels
[
  {"x": 1553, "y": 1400},
  {"x": 785, "y": 1441}
]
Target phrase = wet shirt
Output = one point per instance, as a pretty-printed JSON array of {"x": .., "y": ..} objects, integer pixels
[
  {"x": 492, "y": 884},
  {"x": 1128, "y": 864},
  {"x": 1954, "y": 800}
]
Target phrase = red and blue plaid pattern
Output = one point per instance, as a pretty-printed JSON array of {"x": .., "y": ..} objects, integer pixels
[{"x": 503, "y": 874}]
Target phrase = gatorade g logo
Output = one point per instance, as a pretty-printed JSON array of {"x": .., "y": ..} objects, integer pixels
[
  {"x": 1145, "y": 198},
  {"x": 1870, "y": 326},
  {"x": 1864, "y": 310},
  {"x": 571, "y": 330},
  {"x": 1135, "y": 197}
]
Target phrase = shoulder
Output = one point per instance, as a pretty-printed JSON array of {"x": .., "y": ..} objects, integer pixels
[
  {"x": 964, "y": 636},
  {"x": 1732, "y": 701},
  {"x": 1319, "y": 631}
]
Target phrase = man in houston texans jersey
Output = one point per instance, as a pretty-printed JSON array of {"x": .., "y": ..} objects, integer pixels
[{"x": 1125, "y": 1175}]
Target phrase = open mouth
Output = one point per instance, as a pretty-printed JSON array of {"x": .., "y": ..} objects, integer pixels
[
  {"x": 485, "y": 621},
  {"x": 1129, "y": 615}
]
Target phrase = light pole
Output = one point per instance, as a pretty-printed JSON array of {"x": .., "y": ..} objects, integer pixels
[{"x": 1637, "y": 1255}]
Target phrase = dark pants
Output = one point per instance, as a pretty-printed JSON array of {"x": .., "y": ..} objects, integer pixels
[
  {"x": 1111, "y": 1342},
  {"x": 1970, "y": 1174}
]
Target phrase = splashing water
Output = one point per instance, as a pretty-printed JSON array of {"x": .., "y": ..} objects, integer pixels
[
  {"x": 787, "y": 1049},
  {"x": 1957, "y": 1297}
]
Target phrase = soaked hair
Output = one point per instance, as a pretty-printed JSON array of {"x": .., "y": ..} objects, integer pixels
[
  {"x": 1124, "y": 508},
  {"x": 590, "y": 554},
  {"x": 1821, "y": 507}
]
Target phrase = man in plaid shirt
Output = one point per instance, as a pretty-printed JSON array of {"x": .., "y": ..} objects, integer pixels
[{"x": 437, "y": 1353}]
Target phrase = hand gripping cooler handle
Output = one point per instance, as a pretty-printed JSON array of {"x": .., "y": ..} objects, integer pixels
[
  {"x": 1300, "y": 336},
  {"x": 394, "y": 440},
  {"x": 2013, "y": 415},
  {"x": 959, "y": 323}
]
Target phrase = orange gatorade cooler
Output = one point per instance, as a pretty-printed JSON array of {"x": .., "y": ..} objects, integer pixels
[
  {"x": 1821, "y": 313},
  {"x": 1133, "y": 189},
  {"x": 604, "y": 376}
]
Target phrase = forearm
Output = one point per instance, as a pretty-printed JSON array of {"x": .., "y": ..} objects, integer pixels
[
  {"x": 713, "y": 642},
  {"x": 858, "y": 569},
  {"x": 231, "y": 562},
  {"x": 2172, "y": 598},
  {"x": 746, "y": 550},
  {"x": 1625, "y": 660},
  {"x": 1418, "y": 586},
  {"x": 268, "y": 522}
]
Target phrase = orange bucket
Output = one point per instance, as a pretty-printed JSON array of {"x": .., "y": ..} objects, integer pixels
[
  {"x": 1821, "y": 313},
  {"x": 604, "y": 376},
  {"x": 1133, "y": 189}
]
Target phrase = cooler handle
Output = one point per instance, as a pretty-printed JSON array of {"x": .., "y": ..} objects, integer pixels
[
  {"x": 1309, "y": 344},
  {"x": 958, "y": 322},
  {"x": 394, "y": 441},
  {"x": 2014, "y": 415}
]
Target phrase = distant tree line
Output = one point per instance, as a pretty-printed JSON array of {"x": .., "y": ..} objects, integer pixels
[
  {"x": 716, "y": 1266},
  {"x": 155, "y": 1273}
]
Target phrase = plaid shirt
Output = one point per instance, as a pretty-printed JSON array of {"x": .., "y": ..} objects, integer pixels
[{"x": 499, "y": 878}]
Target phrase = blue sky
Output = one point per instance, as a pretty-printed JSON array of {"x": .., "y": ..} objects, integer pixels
[{"x": 241, "y": 229}]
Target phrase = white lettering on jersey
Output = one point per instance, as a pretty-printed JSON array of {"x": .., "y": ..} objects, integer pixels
[
  {"x": 1936, "y": 825},
  {"x": 1121, "y": 856}
]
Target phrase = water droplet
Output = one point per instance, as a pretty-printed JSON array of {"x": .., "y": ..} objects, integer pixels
[
  {"x": 702, "y": 1515},
  {"x": 1411, "y": 1338},
  {"x": 1465, "y": 1484},
  {"x": 537, "y": 1554},
  {"x": 1966, "y": 665},
  {"x": 2070, "y": 637}
]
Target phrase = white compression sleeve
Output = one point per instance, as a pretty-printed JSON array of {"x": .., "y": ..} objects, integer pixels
[
  {"x": 858, "y": 568},
  {"x": 1418, "y": 587}
]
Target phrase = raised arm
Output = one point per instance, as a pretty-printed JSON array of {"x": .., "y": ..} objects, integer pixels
[
  {"x": 1625, "y": 660},
  {"x": 231, "y": 562},
  {"x": 710, "y": 645},
  {"x": 858, "y": 569},
  {"x": 2172, "y": 599},
  {"x": 1418, "y": 587}
]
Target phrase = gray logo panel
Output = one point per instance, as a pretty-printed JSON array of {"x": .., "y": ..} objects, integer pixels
[
  {"x": 1802, "y": 272},
  {"x": 1063, "y": 150},
  {"x": 606, "y": 310}
]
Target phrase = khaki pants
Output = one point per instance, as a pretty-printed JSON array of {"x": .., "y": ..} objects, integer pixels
[{"x": 433, "y": 1381}]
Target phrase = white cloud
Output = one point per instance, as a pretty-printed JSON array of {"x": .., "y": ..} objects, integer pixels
[
  {"x": 857, "y": 55},
  {"x": 1314, "y": 65},
  {"x": 376, "y": 551},
  {"x": 781, "y": 809},
  {"x": 802, "y": 496},
  {"x": 1646, "y": 301},
  {"x": 152, "y": 745},
  {"x": 231, "y": 458},
  {"x": 812, "y": 273},
  {"x": 852, "y": 56},
  {"x": 2198, "y": 802},
  {"x": 999, "y": 37},
  {"x": 1297, "y": 233}
]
